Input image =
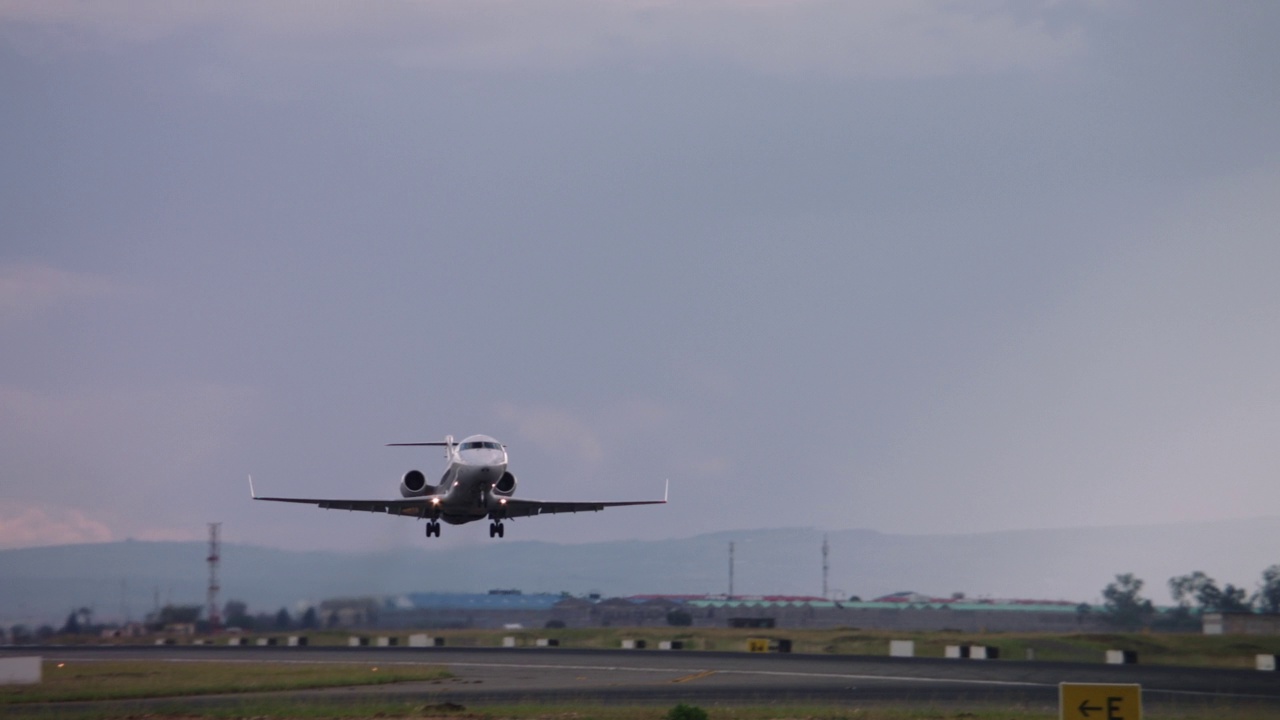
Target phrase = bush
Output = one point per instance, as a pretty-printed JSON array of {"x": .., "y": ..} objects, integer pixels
[
  {"x": 686, "y": 712},
  {"x": 679, "y": 618}
]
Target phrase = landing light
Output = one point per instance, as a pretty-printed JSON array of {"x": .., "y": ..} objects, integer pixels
[{"x": 503, "y": 501}]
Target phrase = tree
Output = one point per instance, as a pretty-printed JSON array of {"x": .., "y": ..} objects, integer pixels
[
  {"x": 236, "y": 614},
  {"x": 1124, "y": 604},
  {"x": 178, "y": 615},
  {"x": 310, "y": 620},
  {"x": 1267, "y": 599},
  {"x": 1204, "y": 590},
  {"x": 72, "y": 626},
  {"x": 1232, "y": 599},
  {"x": 283, "y": 621},
  {"x": 1197, "y": 586}
]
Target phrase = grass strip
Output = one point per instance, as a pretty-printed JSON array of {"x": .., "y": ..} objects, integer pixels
[
  {"x": 278, "y": 709},
  {"x": 121, "y": 680}
]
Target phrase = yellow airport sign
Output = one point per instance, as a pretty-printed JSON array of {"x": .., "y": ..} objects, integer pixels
[{"x": 1090, "y": 701}]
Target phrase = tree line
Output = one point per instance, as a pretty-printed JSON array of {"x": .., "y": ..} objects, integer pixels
[
  {"x": 80, "y": 621},
  {"x": 1195, "y": 594}
]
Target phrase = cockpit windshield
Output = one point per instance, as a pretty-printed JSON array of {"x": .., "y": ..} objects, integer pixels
[{"x": 480, "y": 445}]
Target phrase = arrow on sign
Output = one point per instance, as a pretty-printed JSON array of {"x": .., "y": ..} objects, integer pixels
[{"x": 1085, "y": 708}]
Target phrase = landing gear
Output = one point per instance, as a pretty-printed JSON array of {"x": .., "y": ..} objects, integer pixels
[
  {"x": 495, "y": 529},
  {"x": 433, "y": 528}
]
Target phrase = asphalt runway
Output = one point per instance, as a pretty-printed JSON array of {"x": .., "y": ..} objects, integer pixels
[{"x": 560, "y": 675}]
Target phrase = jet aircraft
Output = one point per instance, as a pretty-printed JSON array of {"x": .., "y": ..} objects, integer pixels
[{"x": 476, "y": 484}]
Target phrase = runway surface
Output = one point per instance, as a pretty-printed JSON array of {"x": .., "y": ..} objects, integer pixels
[{"x": 559, "y": 675}]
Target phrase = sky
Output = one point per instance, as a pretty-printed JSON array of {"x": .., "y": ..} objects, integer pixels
[{"x": 911, "y": 266}]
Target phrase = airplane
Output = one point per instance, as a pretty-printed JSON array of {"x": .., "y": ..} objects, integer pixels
[{"x": 476, "y": 484}]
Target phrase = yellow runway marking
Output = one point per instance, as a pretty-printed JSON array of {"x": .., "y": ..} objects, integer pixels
[{"x": 695, "y": 676}]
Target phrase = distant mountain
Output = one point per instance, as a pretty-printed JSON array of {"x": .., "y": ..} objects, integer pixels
[{"x": 127, "y": 578}]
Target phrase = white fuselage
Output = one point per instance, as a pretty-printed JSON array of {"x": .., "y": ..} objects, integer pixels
[{"x": 465, "y": 492}]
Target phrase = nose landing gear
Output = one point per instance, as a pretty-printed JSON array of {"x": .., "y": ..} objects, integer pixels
[{"x": 495, "y": 529}]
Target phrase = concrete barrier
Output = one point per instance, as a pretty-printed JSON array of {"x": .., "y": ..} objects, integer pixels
[
  {"x": 509, "y": 641},
  {"x": 357, "y": 641},
  {"x": 902, "y": 648},
  {"x": 21, "y": 670},
  {"x": 385, "y": 641},
  {"x": 634, "y": 644},
  {"x": 1122, "y": 657},
  {"x": 671, "y": 645},
  {"x": 235, "y": 641},
  {"x": 1268, "y": 662},
  {"x": 268, "y": 642},
  {"x": 166, "y": 641},
  {"x": 297, "y": 641},
  {"x": 972, "y": 652},
  {"x": 424, "y": 640},
  {"x": 547, "y": 642}
]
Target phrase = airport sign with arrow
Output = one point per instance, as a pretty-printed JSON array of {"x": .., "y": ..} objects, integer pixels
[{"x": 1093, "y": 701}]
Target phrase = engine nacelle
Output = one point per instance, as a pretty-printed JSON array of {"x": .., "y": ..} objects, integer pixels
[
  {"x": 414, "y": 484},
  {"x": 506, "y": 485}
]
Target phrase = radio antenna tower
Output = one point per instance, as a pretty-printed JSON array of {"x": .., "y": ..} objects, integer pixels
[
  {"x": 826, "y": 567},
  {"x": 215, "y": 556}
]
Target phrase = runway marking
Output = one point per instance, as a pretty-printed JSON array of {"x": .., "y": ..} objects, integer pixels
[{"x": 695, "y": 676}]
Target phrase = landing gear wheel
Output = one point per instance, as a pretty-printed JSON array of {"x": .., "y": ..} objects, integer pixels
[
  {"x": 433, "y": 528},
  {"x": 495, "y": 529}
]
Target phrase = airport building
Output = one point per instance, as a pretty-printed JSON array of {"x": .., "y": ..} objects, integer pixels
[{"x": 508, "y": 609}]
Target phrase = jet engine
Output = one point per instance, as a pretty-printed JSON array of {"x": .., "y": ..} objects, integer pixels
[
  {"x": 506, "y": 485},
  {"x": 414, "y": 484}
]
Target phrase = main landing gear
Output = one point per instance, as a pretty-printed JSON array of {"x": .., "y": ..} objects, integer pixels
[
  {"x": 433, "y": 528},
  {"x": 495, "y": 529}
]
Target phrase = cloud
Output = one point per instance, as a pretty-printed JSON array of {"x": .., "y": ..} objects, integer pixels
[
  {"x": 888, "y": 38},
  {"x": 29, "y": 524},
  {"x": 28, "y": 289}
]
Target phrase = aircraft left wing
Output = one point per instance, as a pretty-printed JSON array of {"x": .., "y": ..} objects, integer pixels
[
  {"x": 524, "y": 508},
  {"x": 517, "y": 507}
]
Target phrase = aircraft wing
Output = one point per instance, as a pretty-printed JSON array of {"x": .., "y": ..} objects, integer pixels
[
  {"x": 525, "y": 508},
  {"x": 412, "y": 507}
]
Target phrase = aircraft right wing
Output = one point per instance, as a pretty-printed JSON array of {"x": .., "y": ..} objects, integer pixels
[{"x": 413, "y": 507}]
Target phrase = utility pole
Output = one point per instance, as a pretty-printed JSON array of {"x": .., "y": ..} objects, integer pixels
[
  {"x": 730, "y": 570},
  {"x": 215, "y": 556},
  {"x": 826, "y": 566}
]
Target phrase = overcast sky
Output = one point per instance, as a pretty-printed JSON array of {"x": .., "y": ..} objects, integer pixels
[{"x": 918, "y": 267}]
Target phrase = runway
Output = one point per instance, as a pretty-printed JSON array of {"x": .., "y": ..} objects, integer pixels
[{"x": 558, "y": 675}]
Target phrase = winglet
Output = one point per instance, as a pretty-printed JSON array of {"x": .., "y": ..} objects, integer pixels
[
  {"x": 252, "y": 494},
  {"x": 666, "y": 489}
]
